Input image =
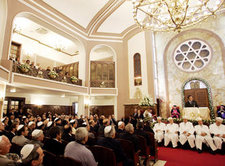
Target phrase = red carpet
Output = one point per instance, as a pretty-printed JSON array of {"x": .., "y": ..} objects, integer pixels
[{"x": 180, "y": 157}]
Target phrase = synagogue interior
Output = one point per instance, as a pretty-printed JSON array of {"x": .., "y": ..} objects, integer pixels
[{"x": 112, "y": 82}]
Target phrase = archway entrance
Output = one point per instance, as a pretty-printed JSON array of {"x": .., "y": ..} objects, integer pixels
[{"x": 200, "y": 90}]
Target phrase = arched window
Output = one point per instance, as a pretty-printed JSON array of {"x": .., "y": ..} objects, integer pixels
[{"x": 137, "y": 70}]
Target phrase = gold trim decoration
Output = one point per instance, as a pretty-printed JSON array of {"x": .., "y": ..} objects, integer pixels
[{"x": 169, "y": 15}]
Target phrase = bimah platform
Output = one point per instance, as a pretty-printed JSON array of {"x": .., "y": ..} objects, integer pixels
[{"x": 193, "y": 113}]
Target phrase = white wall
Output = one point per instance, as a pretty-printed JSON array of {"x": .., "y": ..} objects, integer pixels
[
  {"x": 213, "y": 73},
  {"x": 102, "y": 100},
  {"x": 3, "y": 17},
  {"x": 137, "y": 45},
  {"x": 44, "y": 99},
  {"x": 32, "y": 48}
]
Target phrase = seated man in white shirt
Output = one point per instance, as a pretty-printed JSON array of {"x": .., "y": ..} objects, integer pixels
[
  {"x": 186, "y": 133},
  {"x": 159, "y": 129},
  {"x": 203, "y": 136},
  {"x": 171, "y": 133},
  {"x": 218, "y": 130}
]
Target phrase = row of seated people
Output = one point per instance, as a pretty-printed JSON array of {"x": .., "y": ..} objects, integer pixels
[
  {"x": 58, "y": 135},
  {"x": 213, "y": 136},
  {"x": 38, "y": 71}
]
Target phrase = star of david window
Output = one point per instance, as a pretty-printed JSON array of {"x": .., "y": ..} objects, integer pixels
[{"x": 192, "y": 55}]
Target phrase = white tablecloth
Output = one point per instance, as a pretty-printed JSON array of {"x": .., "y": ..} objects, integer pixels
[{"x": 193, "y": 113}]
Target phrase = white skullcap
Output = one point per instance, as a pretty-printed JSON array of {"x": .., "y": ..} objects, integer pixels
[
  {"x": 49, "y": 124},
  {"x": 19, "y": 127},
  {"x": 72, "y": 121},
  {"x": 36, "y": 133},
  {"x": 39, "y": 123},
  {"x": 120, "y": 123},
  {"x": 198, "y": 119},
  {"x": 24, "y": 117},
  {"x": 140, "y": 120},
  {"x": 30, "y": 123},
  {"x": 159, "y": 118},
  {"x": 3, "y": 119},
  {"x": 26, "y": 150},
  {"x": 219, "y": 119},
  {"x": 185, "y": 117},
  {"x": 107, "y": 129},
  {"x": 56, "y": 119},
  {"x": 170, "y": 118}
]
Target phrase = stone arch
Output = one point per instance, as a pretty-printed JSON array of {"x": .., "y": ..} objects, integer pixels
[
  {"x": 171, "y": 45},
  {"x": 212, "y": 115}
]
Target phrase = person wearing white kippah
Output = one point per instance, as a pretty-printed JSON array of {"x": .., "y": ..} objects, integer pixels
[
  {"x": 78, "y": 151},
  {"x": 171, "y": 133},
  {"x": 203, "y": 136},
  {"x": 110, "y": 142},
  {"x": 159, "y": 129},
  {"x": 186, "y": 130},
  {"x": 5, "y": 146},
  {"x": 20, "y": 139},
  {"x": 218, "y": 130},
  {"x": 37, "y": 137},
  {"x": 32, "y": 155},
  {"x": 31, "y": 126},
  {"x": 121, "y": 126}
]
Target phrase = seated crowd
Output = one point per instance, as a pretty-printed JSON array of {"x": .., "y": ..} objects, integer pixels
[
  {"x": 39, "y": 70},
  {"x": 213, "y": 136},
  {"x": 73, "y": 137}
]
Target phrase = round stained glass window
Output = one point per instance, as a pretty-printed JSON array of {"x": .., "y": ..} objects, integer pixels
[{"x": 192, "y": 55}]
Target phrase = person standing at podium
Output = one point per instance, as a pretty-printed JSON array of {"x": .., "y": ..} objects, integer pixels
[{"x": 191, "y": 102}]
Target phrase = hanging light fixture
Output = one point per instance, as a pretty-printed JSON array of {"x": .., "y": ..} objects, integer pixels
[{"x": 168, "y": 15}]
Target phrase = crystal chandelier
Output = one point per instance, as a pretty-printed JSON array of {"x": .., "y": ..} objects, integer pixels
[{"x": 168, "y": 15}]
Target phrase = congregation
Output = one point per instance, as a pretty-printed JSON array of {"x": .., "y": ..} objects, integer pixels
[{"x": 72, "y": 136}]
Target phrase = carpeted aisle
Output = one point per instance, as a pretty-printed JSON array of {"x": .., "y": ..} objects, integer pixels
[{"x": 180, "y": 157}]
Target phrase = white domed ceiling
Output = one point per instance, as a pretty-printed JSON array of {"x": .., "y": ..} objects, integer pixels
[{"x": 108, "y": 18}]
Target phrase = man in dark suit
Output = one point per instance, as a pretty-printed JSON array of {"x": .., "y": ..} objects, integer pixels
[
  {"x": 191, "y": 102},
  {"x": 140, "y": 131},
  {"x": 12, "y": 132},
  {"x": 110, "y": 142},
  {"x": 54, "y": 144},
  {"x": 67, "y": 134},
  {"x": 129, "y": 135}
]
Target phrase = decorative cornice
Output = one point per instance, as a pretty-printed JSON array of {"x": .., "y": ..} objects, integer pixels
[{"x": 90, "y": 32}]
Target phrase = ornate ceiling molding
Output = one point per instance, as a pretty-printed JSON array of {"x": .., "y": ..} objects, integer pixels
[{"x": 90, "y": 32}]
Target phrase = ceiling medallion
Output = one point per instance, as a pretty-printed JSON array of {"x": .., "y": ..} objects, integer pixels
[{"x": 172, "y": 15}]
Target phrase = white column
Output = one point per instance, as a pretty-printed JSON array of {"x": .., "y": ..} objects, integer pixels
[
  {"x": 2, "y": 97},
  {"x": 83, "y": 105}
]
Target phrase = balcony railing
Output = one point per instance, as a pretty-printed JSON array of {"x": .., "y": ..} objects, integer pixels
[
  {"x": 103, "y": 84},
  {"x": 45, "y": 75}
]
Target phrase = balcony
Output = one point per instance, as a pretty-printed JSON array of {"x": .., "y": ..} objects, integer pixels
[{"x": 44, "y": 74}]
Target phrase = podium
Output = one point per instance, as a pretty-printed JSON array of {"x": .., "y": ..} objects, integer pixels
[{"x": 192, "y": 113}]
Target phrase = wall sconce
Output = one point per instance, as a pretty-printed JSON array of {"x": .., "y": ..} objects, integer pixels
[
  {"x": 86, "y": 103},
  {"x": 137, "y": 81},
  {"x": 13, "y": 90}
]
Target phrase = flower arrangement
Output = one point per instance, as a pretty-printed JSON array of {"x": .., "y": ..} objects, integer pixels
[
  {"x": 74, "y": 79},
  {"x": 147, "y": 101},
  {"x": 102, "y": 84},
  {"x": 53, "y": 74},
  {"x": 24, "y": 68}
]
